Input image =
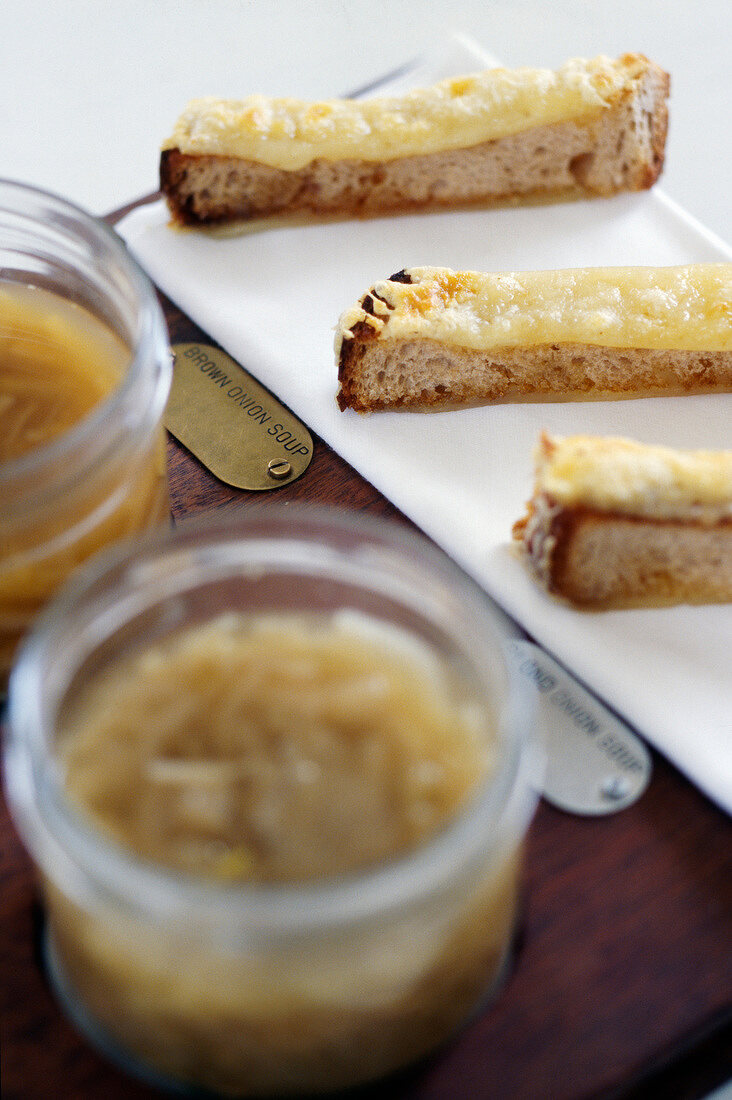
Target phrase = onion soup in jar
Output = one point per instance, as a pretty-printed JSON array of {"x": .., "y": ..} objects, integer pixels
[
  {"x": 277, "y": 788},
  {"x": 84, "y": 375}
]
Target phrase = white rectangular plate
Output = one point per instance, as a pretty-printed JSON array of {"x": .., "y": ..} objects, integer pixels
[{"x": 272, "y": 296}]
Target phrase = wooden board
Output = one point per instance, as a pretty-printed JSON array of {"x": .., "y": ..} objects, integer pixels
[{"x": 622, "y": 981}]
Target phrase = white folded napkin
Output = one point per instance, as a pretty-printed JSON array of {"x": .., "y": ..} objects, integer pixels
[{"x": 272, "y": 296}]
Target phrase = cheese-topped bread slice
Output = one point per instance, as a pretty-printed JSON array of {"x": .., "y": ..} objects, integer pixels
[
  {"x": 614, "y": 523},
  {"x": 591, "y": 127},
  {"x": 430, "y": 336}
]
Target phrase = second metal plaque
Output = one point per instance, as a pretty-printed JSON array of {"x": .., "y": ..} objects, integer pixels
[{"x": 595, "y": 764}]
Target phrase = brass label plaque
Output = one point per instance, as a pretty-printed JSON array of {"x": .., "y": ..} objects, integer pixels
[
  {"x": 231, "y": 423},
  {"x": 595, "y": 764}
]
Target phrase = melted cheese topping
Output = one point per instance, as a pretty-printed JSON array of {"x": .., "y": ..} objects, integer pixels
[
  {"x": 455, "y": 113},
  {"x": 619, "y": 475},
  {"x": 677, "y": 308}
]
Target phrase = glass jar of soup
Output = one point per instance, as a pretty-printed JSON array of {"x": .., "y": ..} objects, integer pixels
[
  {"x": 85, "y": 372},
  {"x": 276, "y": 772}
]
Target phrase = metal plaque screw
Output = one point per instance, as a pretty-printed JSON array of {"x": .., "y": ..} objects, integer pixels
[
  {"x": 279, "y": 469},
  {"x": 614, "y": 788}
]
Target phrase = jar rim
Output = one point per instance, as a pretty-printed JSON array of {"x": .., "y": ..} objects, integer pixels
[
  {"x": 92, "y": 433},
  {"x": 504, "y": 804}
]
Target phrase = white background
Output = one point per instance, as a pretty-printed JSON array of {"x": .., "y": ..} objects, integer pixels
[{"x": 89, "y": 88}]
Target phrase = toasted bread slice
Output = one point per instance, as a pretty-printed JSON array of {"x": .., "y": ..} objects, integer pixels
[
  {"x": 593, "y": 127},
  {"x": 614, "y": 524},
  {"x": 431, "y": 337}
]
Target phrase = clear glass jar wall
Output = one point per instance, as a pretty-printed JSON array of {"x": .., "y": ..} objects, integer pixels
[
  {"x": 286, "y": 987},
  {"x": 104, "y": 477}
]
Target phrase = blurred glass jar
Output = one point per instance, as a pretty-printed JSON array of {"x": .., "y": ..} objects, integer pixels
[
  {"x": 83, "y": 344},
  {"x": 255, "y": 988}
]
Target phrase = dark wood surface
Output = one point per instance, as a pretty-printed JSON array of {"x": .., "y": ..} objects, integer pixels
[{"x": 622, "y": 980}]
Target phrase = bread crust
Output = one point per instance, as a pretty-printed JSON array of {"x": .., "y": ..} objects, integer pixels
[
  {"x": 377, "y": 373},
  {"x": 665, "y": 539},
  {"x": 620, "y": 148},
  {"x": 424, "y": 374},
  {"x": 602, "y": 561}
]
